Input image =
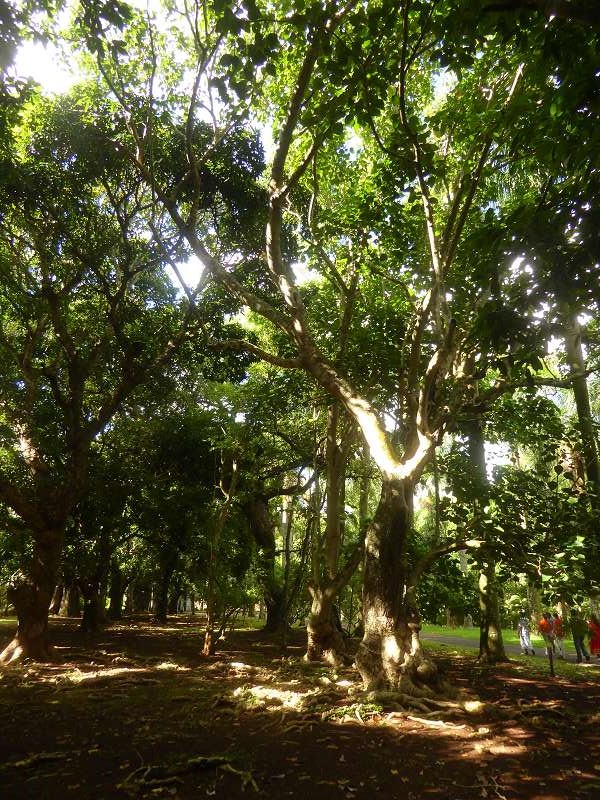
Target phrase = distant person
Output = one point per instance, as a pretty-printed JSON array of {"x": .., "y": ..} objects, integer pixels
[
  {"x": 579, "y": 630},
  {"x": 559, "y": 636},
  {"x": 546, "y": 627},
  {"x": 594, "y": 628},
  {"x": 524, "y": 634}
]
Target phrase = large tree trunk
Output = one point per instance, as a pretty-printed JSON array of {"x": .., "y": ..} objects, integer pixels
[
  {"x": 491, "y": 646},
  {"x": 91, "y": 620},
  {"x": 324, "y": 635},
  {"x": 325, "y": 638},
  {"x": 57, "y": 597},
  {"x": 275, "y": 604},
  {"x": 71, "y": 603},
  {"x": 31, "y": 596},
  {"x": 262, "y": 528},
  {"x": 116, "y": 592},
  {"x": 577, "y": 366},
  {"x": 390, "y": 655},
  {"x": 161, "y": 600}
]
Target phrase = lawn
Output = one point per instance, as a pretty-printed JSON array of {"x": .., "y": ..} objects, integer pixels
[{"x": 509, "y": 636}]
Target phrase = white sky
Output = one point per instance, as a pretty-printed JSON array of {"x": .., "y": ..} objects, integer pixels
[
  {"x": 190, "y": 271},
  {"x": 44, "y": 65}
]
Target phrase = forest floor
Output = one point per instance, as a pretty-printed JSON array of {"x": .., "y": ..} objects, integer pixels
[{"x": 138, "y": 713}]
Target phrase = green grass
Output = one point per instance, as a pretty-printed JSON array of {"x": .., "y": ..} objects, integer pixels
[
  {"x": 535, "y": 668},
  {"x": 509, "y": 636}
]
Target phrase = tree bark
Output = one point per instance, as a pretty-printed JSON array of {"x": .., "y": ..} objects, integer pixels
[
  {"x": 275, "y": 603},
  {"x": 71, "y": 601},
  {"x": 211, "y": 593},
  {"x": 491, "y": 646},
  {"x": 116, "y": 592},
  {"x": 31, "y": 596},
  {"x": 161, "y": 600},
  {"x": 91, "y": 620},
  {"x": 577, "y": 366},
  {"x": 390, "y": 655},
  {"x": 324, "y": 635},
  {"x": 173, "y": 601},
  {"x": 262, "y": 528},
  {"x": 57, "y": 597},
  {"x": 325, "y": 638}
]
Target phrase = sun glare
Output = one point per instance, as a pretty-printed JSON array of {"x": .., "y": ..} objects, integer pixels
[{"x": 44, "y": 65}]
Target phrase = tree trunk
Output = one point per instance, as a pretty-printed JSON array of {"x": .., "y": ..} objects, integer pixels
[
  {"x": 325, "y": 638},
  {"x": 585, "y": 420},
  {"x": 577, "y": 366},
  {"x": 211, "y": 590},
  {"x": 491, "y": 646},
  {"x": 533, "y": 601},
  {"x": 94, "y": 584},
  {"x": 275, "y": 603},
  {"x": 116, "y": 592},
  {"x": 161, "y": 600},
  {"x": 173, "y": 602},
  {"x": 31, "y": 596},
  {"x": 390, "y": 655},
  {"x": 262, "y": 528},
  {"x": 286, "y": 533},
  {"x": 57, "y": 597},
  {"x": 91, "y": 621},
  {"x": 130, "y": 598},
  {"x": 72, "y": 607},
  {"x": 324, "y": 635},
  {"x": 141, "y": 596}
]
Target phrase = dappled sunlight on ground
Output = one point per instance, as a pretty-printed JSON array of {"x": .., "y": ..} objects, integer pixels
[
  {"x": 138, "y": 712},
  {"x": 76, "y": 675},
  {"x": 272, "y": 699}
]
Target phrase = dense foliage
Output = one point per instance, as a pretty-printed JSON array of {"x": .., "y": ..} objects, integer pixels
[{"x": 427, "y": 176}]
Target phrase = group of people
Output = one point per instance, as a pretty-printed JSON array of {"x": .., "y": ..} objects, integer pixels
[{"x": 552, "y": 630}]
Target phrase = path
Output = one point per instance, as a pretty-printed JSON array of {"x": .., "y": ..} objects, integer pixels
[{"x": 511, "y": 649}]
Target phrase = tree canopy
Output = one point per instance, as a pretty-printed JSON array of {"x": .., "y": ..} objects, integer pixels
[{"x": 393, "y": 212}]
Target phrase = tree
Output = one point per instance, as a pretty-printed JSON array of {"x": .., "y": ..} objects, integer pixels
[
  {"x": 87, "y": 314},
  {"x": 437, "y": 104},
  {"x": 426, "y": 159}
]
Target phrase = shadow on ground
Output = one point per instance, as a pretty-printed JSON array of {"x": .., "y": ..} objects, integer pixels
[{"x": 137, "y": 712}]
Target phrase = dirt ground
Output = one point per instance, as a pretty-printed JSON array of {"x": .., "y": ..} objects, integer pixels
[{"x": 138, "y": 713}]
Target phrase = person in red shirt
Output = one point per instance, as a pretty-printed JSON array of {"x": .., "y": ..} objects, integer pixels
[
  {"x": 559, "y": 636},
  {"x": 546, "y": 626},
  {"x": 594, "y": 626}
]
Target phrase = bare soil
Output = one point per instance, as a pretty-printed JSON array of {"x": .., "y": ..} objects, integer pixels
[{"x": 137, "y": 712}]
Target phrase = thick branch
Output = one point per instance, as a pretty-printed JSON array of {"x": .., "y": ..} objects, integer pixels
[
  {"x": 242, "y": 346},
  {"x": 573, "y": 12}
]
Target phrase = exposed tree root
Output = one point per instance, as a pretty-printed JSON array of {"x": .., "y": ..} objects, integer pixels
[
  {"x": 434, "y": 723},
  {"x": 15, "y": 652},
  {"x": 12, "y": 653},
  {"x": 39, "y": 758},
  {"x": 244, "y": 775},
  {"x": 428, "y": 706},
  {"x": 161, "y": 775}
]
